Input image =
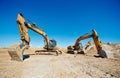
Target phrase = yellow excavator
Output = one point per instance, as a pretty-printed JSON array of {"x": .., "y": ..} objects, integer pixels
[
  {"x": 18, "y": 52},
  {"x": 77, "y": 48}
]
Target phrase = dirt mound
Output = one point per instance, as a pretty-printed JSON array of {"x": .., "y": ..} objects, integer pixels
[
  {"x": 116, "y": 50},
  {"x": 112, "y": 50}
]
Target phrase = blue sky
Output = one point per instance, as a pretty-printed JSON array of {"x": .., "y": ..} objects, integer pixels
[{"x": 62, "y": 20}]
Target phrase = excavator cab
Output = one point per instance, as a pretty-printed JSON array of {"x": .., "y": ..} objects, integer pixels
[
  {"x": 73, "y": 50},
  {"x": 52, "y": 44}
]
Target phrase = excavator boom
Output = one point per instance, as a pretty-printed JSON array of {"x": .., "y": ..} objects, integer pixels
[{"x": 81, "y": 38}]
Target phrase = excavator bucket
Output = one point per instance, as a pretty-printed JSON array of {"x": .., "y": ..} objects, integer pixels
[{"x": 16, "y": 53}]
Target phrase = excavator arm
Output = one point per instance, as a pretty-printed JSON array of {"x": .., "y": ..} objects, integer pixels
[
  {"x": 23, "y": 30},
  {"x": 96, "y": 40}
]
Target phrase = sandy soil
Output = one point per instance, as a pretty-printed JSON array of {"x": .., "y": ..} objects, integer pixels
[{"x": 62, "y": 66}]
